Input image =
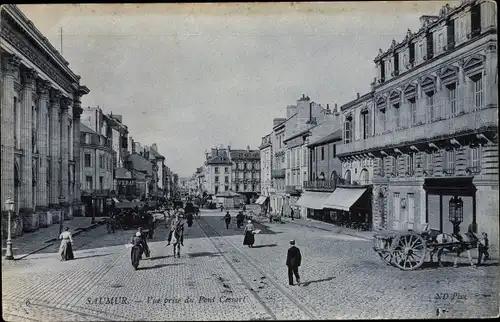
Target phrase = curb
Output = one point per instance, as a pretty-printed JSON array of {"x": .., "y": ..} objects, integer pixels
[{"x": 335, "y": 230}]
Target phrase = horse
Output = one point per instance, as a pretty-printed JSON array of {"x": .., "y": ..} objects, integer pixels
[
  {"x": 458, "y": 244},
  {"x": 178, "y": 237}
]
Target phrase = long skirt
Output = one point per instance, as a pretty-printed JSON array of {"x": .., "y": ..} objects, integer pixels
[
  {"x": 66, "y": 250},
  {"x": 249, "y": 238},
  {"x": 135, "y": 256}
]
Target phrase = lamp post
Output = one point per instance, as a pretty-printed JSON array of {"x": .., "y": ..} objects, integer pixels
[
  {"x": 456, "y": 213},
  {"x": 61, "y": 201},
  {"x": 9, "y": 205}
]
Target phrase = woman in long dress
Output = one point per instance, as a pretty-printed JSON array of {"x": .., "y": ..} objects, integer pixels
[
  {"x": 137, "y": 249},
  {"x": 66, "y": 249},
  {"x": 249, "y": 235}
]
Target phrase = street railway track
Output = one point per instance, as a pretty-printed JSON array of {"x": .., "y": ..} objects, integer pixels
[{"x": 306, "y": 313}]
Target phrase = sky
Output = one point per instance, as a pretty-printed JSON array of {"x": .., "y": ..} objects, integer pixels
[{"x": 192, "y": 77}]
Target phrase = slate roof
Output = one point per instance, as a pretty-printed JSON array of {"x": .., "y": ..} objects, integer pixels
[
  {"x": 85, "y": 129},
  {"x": 245, "y": 155},
  {"x": 156, "y": 154},
  {"x": 218, "y": 160},
  {"x": 141, "y": 164},
  {"x": 122, "y": 173},
  {"x": 334, "y": 136}
]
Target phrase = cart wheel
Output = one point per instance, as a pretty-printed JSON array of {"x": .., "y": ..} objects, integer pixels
[{"x": 409, "y": 251}]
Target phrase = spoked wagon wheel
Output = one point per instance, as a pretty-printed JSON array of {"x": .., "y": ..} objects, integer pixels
[
  {"x": 383, "y": 248},
  {"x": 409, "y": 251}
]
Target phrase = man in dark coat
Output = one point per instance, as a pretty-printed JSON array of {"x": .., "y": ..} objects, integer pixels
[
  {"x": 291, "y": 212},
  {"x": 227, "y": 219},
  {"x": 144, "y": 241},
  {"x": 293, "y": 260}
]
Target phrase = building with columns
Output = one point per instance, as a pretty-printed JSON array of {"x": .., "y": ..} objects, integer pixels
[
  {"x": 435, "y": 124},
  {"x": 40, "y": 123}
]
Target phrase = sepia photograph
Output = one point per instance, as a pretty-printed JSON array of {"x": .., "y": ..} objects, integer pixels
[{"x": 249, "y": 161}]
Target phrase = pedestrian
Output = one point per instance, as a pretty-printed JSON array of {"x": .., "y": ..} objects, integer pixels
[
  {"x": 66, "y": 247},
  {"x": 291, "y": 212},
  {"x": 482, "y": 248},
  {"x": 221, "y": 208},
  {"x": 239, "y": 219},
  {"x": 244, "y": 208},
  {"x": 227, "y": 219},
  {"x": 249, "y": 239},
  {"x": 144, "y": 241},
  {"x": 173, "y": 225},
  {"x": 293, "y": 260},
  {"x": 137, "y": 249}
]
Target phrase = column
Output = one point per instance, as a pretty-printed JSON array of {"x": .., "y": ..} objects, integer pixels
[
  {"x": 10, "y": 66},
  {"x": 28, "y": 82},
  {"x": 43, "y": 148},
  {"x": 55, "y": 96},
  {"x": 77, "y": 110},
  {"x": 64, "y": 150}
]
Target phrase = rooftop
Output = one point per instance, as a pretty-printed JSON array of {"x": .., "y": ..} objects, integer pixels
[{"x": 332, "y": 137}]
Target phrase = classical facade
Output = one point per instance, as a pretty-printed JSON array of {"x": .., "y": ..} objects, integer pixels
[
  {"x": 266, "y": 150},
  {"x": 435, "y": 124},
  {"x": 278, "y": 171},
  {"x": 245, "y": 172},
  {"x": 40, "y": 98},
  {"x": 218, "y": 171}
]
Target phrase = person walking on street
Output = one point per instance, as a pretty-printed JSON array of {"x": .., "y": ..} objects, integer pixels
[
  {"x": 66, "y": 247},
  {"x": 293, "y": 261},
  {"x": 249, "y": 239},
  {"x": 483, "y": 245},
  {"x": 221, "y": 208},
  {"x": 291, "y": 212},
  {"x": 227, "y": 219}
]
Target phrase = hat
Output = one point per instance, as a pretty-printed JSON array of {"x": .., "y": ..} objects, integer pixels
[
  {"x": 138, "y": 234},
  {"x": 292, "y": 242},
  {"x": 249, "y": 221}
]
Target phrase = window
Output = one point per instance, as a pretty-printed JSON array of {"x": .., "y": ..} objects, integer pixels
[
  {"x": 245, "y": 187},
  {"x": 430, "y": 106},
  {"x": 226, "y": 179},
  {"x": 430, "y": 45},
  {"x": 101, "y": 161},
  {"x": 413, "y": 110},
  {"x": 389, "y": 67},
  {"x": 244, "y": 166},
  {"x": 348, "y": 130},
  {"x": 381, "y": 167},
  {"x": 101, "y": 183},
  {"x": 226, "y": 170},
  {"x": 87, "y": 138},
  {"x": 450, "y": 34},
  {"x": 475, "y": 15},
  {"x": 478, "y": 91},
  {"x": 410, "y": 163},
  {"x": 394, "y": 166},
  {"x": 217, "y": 170},
  {"x": 383, "y": 117},
  {"x": 88, "y": 183},
  {"x": 475, "y": 159},
  {"x": 237, "y": 187},
  {"x": 366, "y": 124},
  {"x": 322, "y": 153},
  {"x": 88, "y": 160},
  {"x": 304, "y": 160},
  {"x": 397, "y": 119},
  {"x": 382, "y": 71},
  {"x": 216, "y": 189},
  {"x": 216, "y": 179},
  {"x": 421, "y": 51},
  {"x": 450, "y": 162},
  {"x": 452, "y": 98},
  {"x": 396, "y": 64},
  {"x": 226, "y": 188},
  {"x": 412, "y": 53}
]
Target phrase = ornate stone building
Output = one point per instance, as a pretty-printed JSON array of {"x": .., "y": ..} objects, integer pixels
[
  {"x": 436, "y": 124},
  {"x": 40, "y": 123},
  {"x": 245, "y": 172}
]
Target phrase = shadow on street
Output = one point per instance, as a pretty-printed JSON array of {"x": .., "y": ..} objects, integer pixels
[
  {"x": 157, "y": 266},
  {"x": 317, "y": 281}
]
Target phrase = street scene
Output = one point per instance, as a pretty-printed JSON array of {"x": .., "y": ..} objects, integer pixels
[{"x": 305, "y": 161}]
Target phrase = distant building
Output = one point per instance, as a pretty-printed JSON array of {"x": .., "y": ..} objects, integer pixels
[
  {"x": 245, "y": 172},
  {"x": 218, "y": 174}
]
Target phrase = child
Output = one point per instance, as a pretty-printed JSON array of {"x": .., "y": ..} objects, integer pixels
[{"x": 483, "y": 248}]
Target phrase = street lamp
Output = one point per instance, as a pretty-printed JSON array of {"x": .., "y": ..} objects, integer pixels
[
  {"x": 456, "y": 213},
  {"x": 9, "y": 205}
]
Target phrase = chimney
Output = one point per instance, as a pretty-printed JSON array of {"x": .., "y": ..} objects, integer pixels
[
  {"x": 310, "y": 112},
  {"x": 357, "y": 94}
]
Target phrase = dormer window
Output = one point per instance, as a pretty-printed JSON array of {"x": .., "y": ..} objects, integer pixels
[
  {"x": 430, "y": 42},
  {"x": 450, "y": 34},
  {"x": 475, "y": 15},
  {"x": 412, "y": 54},
  {"x": 382, "y": 71},
  {"x": 396, "y": 64}
]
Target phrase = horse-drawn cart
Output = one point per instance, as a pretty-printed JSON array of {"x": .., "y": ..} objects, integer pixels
[{"x": 408, "y": 250}]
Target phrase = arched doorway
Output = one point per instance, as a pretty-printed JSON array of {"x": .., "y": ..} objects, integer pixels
[
  {"x": 333, "y": 176},
  {"x": 348, "y": 176},
  {"x": 364, "y": 177}
]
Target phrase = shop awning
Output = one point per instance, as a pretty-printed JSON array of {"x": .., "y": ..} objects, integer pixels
[
  {"x": 261, "y": 200},
  {"x": 116, "y": 200},
  {"x": 343, "y": 199},
  {"x": 312, "y": 200}
]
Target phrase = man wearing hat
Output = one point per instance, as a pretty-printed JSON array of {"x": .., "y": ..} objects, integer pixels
[{"x": 293, "y": 260}]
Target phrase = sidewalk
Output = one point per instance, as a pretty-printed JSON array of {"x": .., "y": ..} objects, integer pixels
[
  {"x": 331, "y": 227},
  {"x": 30, "y": 243}
]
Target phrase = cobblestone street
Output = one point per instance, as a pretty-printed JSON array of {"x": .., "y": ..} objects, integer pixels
[{"x": 217, "y": 278}]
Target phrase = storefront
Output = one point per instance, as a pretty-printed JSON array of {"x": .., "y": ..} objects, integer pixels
[
  {"x": 313, "y": 201},
  {"x": 264, "y": 203},
  {"x": 349, "y": 206}
]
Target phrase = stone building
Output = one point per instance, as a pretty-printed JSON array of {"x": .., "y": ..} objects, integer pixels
[
  {"x": 266, "y": 151},
  {"x": 218, "y": 171},
  {"x": 245, "y": 172},
  {"x": 435, "y": 124},
  {"x": 40, "y": 124},
  {"x": 278, "y": 171}
]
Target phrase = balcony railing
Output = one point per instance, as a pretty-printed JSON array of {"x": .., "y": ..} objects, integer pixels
[
  {"x": 468, "y": 119},
  {"x": 281, "y": 173},
  {"x": 328, "y": 185}
]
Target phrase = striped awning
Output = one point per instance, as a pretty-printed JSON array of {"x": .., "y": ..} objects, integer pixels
[
  {"x": 313, "y": 200},
  {"x": 343, "y": 199},
  {"x": 261, "y": 200}
]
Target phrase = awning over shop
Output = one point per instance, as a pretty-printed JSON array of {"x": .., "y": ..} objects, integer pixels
[
  {"x": 116, "y": 200},
  {"x": 343, "y": 199},
  {"x": 312, "y": 200},
  {"x": 261, "y": 200}
]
